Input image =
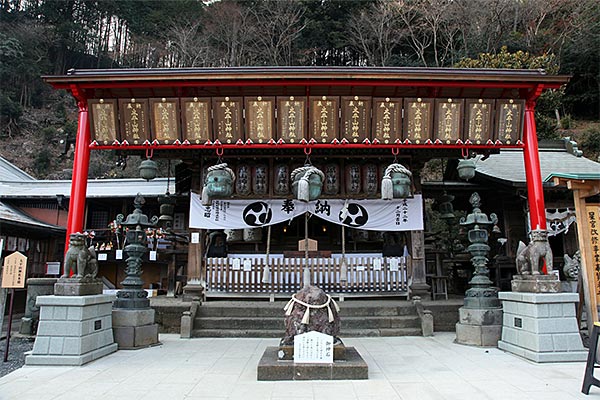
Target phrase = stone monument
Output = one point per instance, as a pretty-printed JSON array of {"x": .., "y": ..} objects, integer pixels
[
  {"x": 480, "y": 319},
  {"x": 539, "y": 321},
  {"x": 312, "y": 328},
  {"x": 76, "y": 323},
  {"x": 133, "y": 319}
]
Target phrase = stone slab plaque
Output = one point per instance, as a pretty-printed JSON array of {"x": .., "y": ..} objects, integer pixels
[
  {"x": 291, "y": 118},
  {"x": 103, "y": 120},
  {"x": 227, "y": 113},
  {"x": 418, "y": 119},
  {"x": 313, "y": 347},
  {"x": 448, "y": 120},
  {"x": 387, "y": 120},
  {"x": 324, "y": 118},
  {"x": 479, "y": 120},
  {"x": 135, "y": 127},
  {"x": 356, "y": 118},
  {"x": 509, "y": 120},
  {"x": 164, "y": 116},
  {"x": 14, "y": 271},
  {"x": 260, "y": 118},
  {"x": 197, "y": 121}
]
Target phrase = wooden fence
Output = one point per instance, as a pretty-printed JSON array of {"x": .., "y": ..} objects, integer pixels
[{"x": 365, "y": 275}]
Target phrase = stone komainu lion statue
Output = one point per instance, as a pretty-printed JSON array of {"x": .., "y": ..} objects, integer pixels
[
  {"x": 79, "y": 259},
  {"x": 529, "y": 257}
]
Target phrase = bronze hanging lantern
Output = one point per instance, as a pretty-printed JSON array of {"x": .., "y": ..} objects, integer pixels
[
  {"x": 148, "y": 169},
  {"x": 466, "y": 168}
]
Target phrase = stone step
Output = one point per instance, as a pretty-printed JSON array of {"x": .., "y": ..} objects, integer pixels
[
  {"x": 255, "y": 323},
  {"x": 276, "y": 333},
  {"x": 276, "y": 310}
]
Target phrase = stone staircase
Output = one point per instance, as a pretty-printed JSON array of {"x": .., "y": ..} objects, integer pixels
[{"x": 263, "y": 319}]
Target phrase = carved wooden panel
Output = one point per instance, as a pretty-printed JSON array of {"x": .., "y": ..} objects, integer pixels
[
  {"x": 509, "y": 120},
  {"x": 197, "y": 121},
  {"x": 103, "y": 120},
  {"x": 356, "y": 118},
  {"x": 227, "y": 113},
  {"x": 331, "y": 185},
  {"x": 448, "y": 120},
  {"x": 260, "y": 180},
  {"x": 164, "y": 116},
  {"x": 260, "y": 118},
  {"x": 418, "y": 119},
  {"x": 135, "y": 127},
  {"x": 387, "y": 120},
  {"x": 479, "y": 120},
  {"x": 324, "y": 118},
  {"x": 281, "y": 180},
  {"x": 291, "y": 118}
]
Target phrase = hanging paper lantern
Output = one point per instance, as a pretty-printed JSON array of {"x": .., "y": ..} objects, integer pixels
[
  {"x": 307, "y": 182},
  {"x": 332, "y": 179},
  {"x": 396, "y": 182},
  {"x": 242, "y": 184},
  {"x": 260, "y": 180},
  {"x": 218, "y": 184},
  {"x": 369, "y": 177},
  {"x": 353, "y": 179},
  {"x": 234, "y": 235},
  {"x": 281, "y": 184}
]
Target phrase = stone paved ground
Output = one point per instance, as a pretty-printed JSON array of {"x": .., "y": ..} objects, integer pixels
[{"x": 16, "y": 357}]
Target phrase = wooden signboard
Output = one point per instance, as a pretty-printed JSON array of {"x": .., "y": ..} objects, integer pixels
[
  {"x": 228, "y": 119},
  {"x": 313, "y": 347},
  {"x": 103, "y": 120},
  {"x": 479, "y": 120},
  {"x": 291, "y": 118},
  {"x": 324, "y": 118},
  {"x": 260, "y": 118},
  {"x": 448, "y": 120},
  {"x": 509, "y": 120},
  {"x": 165, "y": 119},
  {"x": 14, "y": 273},
  {"x": 134, "y": 120},
  {"x": 592, "y": 258},
  {"x": 356, "y": 118},
  {"x": 418, "y": 119},
  {"x": 387, "y": 120},
  {"x": 197, "y": 122}
]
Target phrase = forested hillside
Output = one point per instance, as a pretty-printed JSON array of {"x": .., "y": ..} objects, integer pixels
[{"x": 39, "y": 37}]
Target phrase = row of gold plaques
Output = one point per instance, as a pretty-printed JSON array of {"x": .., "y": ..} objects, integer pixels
[{"x": 417, "y": 120}]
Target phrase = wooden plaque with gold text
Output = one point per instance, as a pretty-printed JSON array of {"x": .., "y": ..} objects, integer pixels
[
  {"x": 134, "y": 120},
  {"x": 418, "y": 119},
  {"x": 509, "y": 120},
  {"x": 197, "y": 121},
  {"x": 103, "y": 120},
  {"x": 260, "y": 118},
  {"x": 448, "y": 120},
  {"x": 165, "y": 119},
  {"x": 227, "y": 113},
  {"x": 291, "y": 118},
  {"x": 387, "y": 120},
  {"x": 479, "y": 120},
  {"x": 356, "y": 118},
  {"x": 324, "y": 118}
]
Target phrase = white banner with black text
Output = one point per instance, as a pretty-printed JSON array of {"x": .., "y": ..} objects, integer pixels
[{"x": 379, "y": 215}]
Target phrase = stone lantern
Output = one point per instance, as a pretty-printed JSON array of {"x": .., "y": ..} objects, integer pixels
[{"x": 480, "y": 319}]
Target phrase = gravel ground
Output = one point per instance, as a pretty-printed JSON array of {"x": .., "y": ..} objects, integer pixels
[{"x": 16, "y": 353}]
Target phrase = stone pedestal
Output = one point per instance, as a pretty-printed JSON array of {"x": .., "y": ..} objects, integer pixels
[
  {"x": 536, "y": 283},
  {"x": 541, "y": 327},
  {"x": 73, "y": 330},
  {"x": 35, "y": 287},
  {"x": 479, "y": 326},
  {"x": 270, "y": 368},
  {"x": 134, "y": 329},
  {"x": 77, "y": 287},
  {"x": 193, "y": 289}
]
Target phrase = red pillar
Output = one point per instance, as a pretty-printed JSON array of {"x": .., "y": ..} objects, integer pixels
[
  {"x": 535, "y": 190},
  {"x": 80, "y": 174}
]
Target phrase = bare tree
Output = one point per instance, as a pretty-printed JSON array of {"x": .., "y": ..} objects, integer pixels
[
  {"x": 375, "y": 32},
  {"x": 189, "y": 44}
]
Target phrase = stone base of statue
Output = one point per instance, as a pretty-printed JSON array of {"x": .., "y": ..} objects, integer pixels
[
  {"x": 480, "y": 319},
  {"x": 194, "y": 289},
  {"x": 541, "y": 327},
  {"x": 536, "y": 283},
  {"x": 271, "y": 368},
  {"x": 73, "y": 330},
  {"x": 35, "y": 287},
  {"x": 77, "y": 287},
  {"x": 134, "y": 329}
]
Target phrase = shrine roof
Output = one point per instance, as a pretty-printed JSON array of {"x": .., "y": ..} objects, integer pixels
[
  {"x": 107, "y": 188},
  {"x": 508, "y": 166},
  {"x": 9, "y": 214},
  {"x": 247, "y": 81},
  {"x": 10, "y": 172}
]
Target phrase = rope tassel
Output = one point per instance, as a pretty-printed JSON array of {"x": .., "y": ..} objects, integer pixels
[{"x": 306, "y": 318}]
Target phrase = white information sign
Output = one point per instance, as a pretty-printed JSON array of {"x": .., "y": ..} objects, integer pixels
[
  {"x": 118, "y": 254},
  {"x": 195, "y": 237},
  {"x": 377, "y": 264},
  {"x": 53, "y": 268},
  {"x": 152, "y": 255},
  {"x": 394, "y": 264},
  {"x": 247, "y": 265},
  {"x": 236, "y": 264},
  {"x": 102, "y": 256},
  {"x": 313, "y": 347}
]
